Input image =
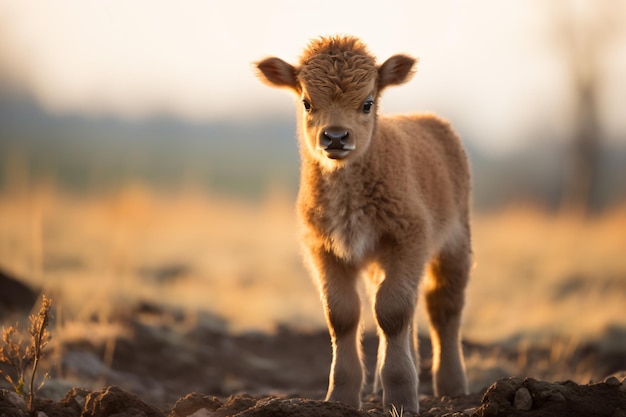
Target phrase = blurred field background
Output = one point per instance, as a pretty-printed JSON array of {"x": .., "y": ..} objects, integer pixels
[
  {"x": 536, "y": 273},
  {"x": 116, "y": 191}
]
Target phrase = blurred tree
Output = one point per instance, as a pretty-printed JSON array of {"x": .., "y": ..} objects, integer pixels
[{"x": 583, "y": 31}]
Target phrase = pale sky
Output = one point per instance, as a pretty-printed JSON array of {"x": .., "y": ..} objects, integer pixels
[{"x": 490, "y": 66}]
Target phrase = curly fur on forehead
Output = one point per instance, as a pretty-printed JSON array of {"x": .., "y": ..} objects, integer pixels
[{"x": 337, "y": 67}]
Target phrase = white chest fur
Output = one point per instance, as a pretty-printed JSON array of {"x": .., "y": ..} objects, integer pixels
[
  {"x": 350, "y": 232},
  {"x": 351, "y": 239}
]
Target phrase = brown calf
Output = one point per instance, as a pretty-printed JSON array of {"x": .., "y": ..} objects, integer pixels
[{"x": 384, "y": 196}]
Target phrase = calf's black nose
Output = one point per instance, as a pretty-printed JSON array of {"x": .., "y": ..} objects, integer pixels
[{"x": 334, "y": 139}]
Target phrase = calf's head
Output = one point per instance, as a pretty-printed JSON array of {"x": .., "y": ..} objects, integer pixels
[{"x": 338, "y": 85}]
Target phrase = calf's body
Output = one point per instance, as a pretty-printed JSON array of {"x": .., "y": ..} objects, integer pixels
[{"x": 386, "y": 197}]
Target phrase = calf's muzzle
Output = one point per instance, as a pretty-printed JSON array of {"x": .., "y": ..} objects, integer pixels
[{"x": 336, "y": 142}]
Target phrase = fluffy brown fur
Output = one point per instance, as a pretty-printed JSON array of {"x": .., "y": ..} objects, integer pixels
[{"x": 387, "y": 197}]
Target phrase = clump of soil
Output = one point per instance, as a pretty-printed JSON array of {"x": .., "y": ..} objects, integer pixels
[{"x": 529, "y": 397}]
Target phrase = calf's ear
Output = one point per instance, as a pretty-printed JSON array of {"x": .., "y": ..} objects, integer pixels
[
  {"x": 277, "y": 73},
  {"x": 396, "y": 70}
]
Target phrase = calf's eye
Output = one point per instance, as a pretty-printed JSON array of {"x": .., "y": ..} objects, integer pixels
[
  {"x": 307, "y": 105},
  {"x": 367, "y": 106}
]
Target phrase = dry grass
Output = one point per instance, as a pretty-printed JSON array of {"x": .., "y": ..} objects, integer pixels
[
  {"x": 16, "y": 357},
  {"x": 194, "y": 251},
  {"x": 535, "y": 274}
]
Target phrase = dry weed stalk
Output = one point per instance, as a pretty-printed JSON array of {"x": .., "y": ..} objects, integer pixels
[{"x": 16, "y": 358}]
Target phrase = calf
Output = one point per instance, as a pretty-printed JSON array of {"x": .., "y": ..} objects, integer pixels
[{"x": 386, "y": 197}]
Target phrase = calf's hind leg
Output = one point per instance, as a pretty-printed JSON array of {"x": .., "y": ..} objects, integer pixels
[{"x": 445, "y": 296}]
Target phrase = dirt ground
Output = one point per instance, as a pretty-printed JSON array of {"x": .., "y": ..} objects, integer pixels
[{"x": 162, "y": 365}]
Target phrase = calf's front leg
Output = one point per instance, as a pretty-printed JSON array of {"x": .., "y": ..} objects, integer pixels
[
  {"x": 337, "y": 282},
  {"x": 394, "y": 308}
]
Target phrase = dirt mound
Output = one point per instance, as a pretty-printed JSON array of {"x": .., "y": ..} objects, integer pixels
[
  {"x": 529, "y": 397},
  {"x": 507, "y": 397}
]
